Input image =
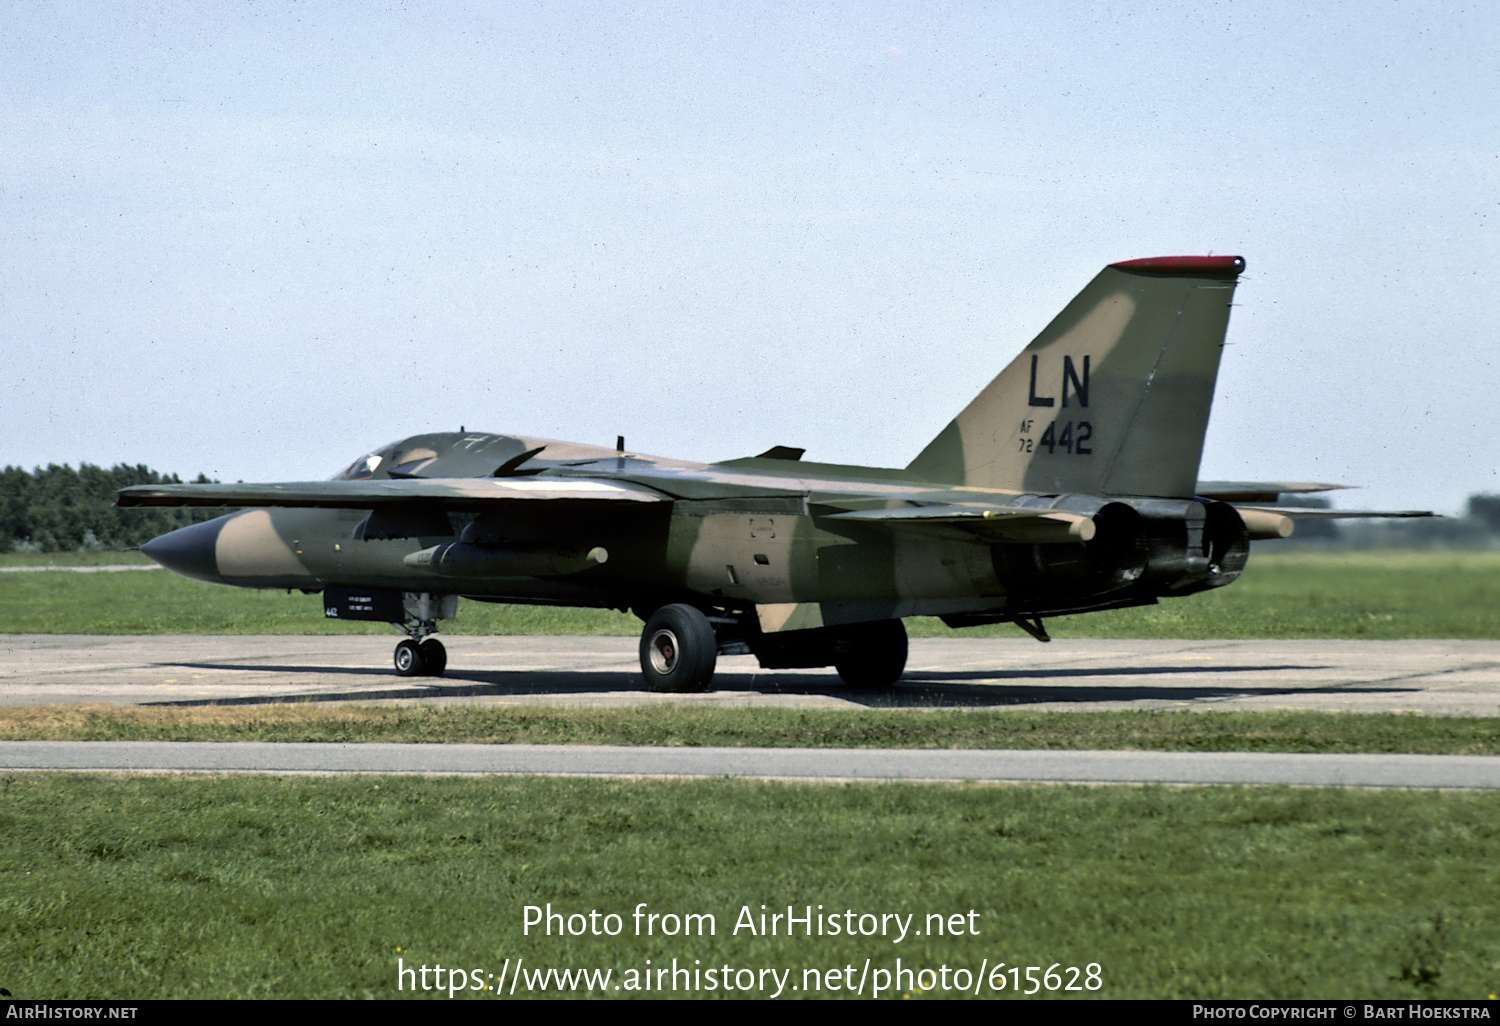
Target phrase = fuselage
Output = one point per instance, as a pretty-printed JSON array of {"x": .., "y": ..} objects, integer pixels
[{"x": 759, "y": 532}]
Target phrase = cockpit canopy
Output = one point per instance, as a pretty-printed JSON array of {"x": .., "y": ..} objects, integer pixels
[
  {"x": 398, "y": 459},
  {"x": 471, "y": 454}
]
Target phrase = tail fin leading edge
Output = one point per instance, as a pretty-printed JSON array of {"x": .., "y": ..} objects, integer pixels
[{"x": 1112, "y": 398}]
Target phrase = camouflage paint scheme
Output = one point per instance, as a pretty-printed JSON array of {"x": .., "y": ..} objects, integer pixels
[{"x": 1069, "y": 484}]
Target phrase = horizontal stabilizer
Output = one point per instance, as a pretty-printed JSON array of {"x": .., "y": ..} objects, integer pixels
[
  {"x": 1267, "y": 523},
  {"x": 447, "y": 493},
  {"x": 1259, "y": 491},
  {"x": 1306, "y": 513}
]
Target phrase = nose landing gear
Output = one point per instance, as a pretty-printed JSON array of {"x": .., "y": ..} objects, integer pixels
[
  {"x": 420, "y": 655},
  {"x": 421, "y": 659},
  {"x": 414, "y": 612}
]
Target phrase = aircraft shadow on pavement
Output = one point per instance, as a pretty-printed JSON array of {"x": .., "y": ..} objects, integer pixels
[{"x": 917, "y": 690}]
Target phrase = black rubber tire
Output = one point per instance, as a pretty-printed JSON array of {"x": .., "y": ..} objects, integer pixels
[
  {"x": 409, "y": 661},
  {"x": 871, "y": 656},
  {"x": 678, "y": 649},
  {"x": 434, "y": 657}
]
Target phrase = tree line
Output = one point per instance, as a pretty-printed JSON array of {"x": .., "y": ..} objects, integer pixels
[{"x": 59, "y": 509}]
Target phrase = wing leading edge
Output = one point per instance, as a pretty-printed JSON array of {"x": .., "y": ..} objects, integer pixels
[{"x": 445, "y": 493}]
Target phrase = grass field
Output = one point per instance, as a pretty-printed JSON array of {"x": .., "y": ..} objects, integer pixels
[
  {"x": 1373, "y": 594},
  {"x": 698, "y": 726},
  {"x": 155, "y": 886},
  {"x": 314, "y": 888}
]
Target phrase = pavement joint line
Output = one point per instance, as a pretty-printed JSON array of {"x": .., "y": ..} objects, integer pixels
[{"x": 1409, "y": 677}]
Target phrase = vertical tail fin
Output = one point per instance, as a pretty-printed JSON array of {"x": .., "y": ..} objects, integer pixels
[{"x": 1112, "y": 398}]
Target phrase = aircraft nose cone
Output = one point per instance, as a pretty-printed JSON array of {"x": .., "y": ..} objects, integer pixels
[{"x": 189, "y": 551}]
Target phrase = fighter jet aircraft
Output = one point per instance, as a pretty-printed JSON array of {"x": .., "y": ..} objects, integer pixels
[{"x": 1068, "y": 485}]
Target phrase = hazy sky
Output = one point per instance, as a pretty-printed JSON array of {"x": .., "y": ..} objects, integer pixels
[{"x": 257, "y": 240}]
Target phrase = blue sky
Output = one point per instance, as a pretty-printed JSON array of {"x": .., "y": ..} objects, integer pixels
[{"x": 256, "y": 240}]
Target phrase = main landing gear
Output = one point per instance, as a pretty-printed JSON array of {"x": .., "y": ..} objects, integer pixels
[
  {"x": 680, "y": 646},
  {"x": 871, "y": 656},
  {"x": 678, "y": 649}
]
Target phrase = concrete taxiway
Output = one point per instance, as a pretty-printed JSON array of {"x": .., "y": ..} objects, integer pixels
[
  {"x": 837, "y": 764},
  {"x": 1427, "y": 677}
]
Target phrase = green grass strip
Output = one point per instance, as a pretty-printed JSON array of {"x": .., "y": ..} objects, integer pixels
[
  {"x": 192, "y": 887},
  {"x": 674, "y": 725}
]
